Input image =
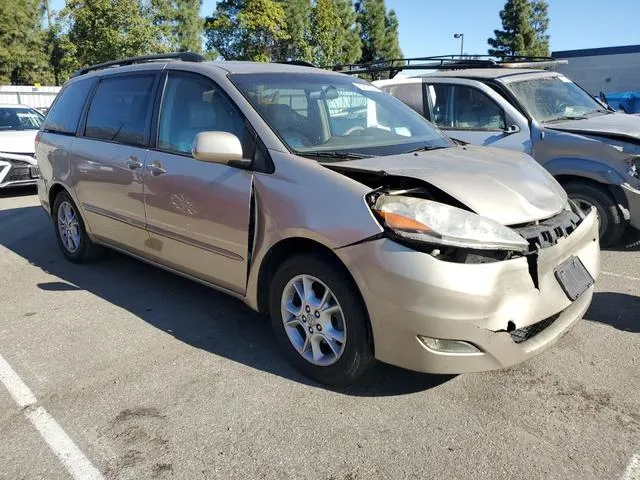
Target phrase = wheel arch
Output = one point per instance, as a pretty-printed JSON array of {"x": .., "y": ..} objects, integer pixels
[{"x": 614, "y": 190}]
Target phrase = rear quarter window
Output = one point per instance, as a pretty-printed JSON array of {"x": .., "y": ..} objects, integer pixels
[
  {"x": 408, "y": 93},
  {"x": 64, "y": 116}
]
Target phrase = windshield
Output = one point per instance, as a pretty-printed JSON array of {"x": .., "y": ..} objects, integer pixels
[
  {"x": 554, "y": 98},
  {"x": 316, "y": 114},
  {"x": 20, "y": 118}
]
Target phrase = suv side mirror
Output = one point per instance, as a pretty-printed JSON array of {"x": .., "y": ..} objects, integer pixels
[
  {"x": 217, "y": 147},
  {"x": 512, "y": 129}
]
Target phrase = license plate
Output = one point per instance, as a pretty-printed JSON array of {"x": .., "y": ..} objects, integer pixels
[
  {"x": 573, "y": 277},
  {"x": 34, "y": 172}
]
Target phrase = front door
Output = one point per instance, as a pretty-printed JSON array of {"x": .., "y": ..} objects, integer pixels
[
  {"x": 197, "y": 212},
  {"x": 107, "y": 160},
  {"x": 477, "y": 115}
]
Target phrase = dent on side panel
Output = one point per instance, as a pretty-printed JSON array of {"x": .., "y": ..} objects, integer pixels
[
  {"x": 303, "y": 199},
  {"x": 53, "y": 162}
]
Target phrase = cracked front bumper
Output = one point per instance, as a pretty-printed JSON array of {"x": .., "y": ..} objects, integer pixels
[
  {"x": 633, "y": 199},
  {"x": 410, "y": 294}
]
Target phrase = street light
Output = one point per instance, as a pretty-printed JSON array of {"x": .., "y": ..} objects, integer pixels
[{"x": 461, "y": 37}]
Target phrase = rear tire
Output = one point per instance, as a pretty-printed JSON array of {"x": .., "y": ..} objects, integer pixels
[
  {"x": 71, "y": 233},
  {"x": 612, "y": 224},
  {"x": 342, "y": 350}
]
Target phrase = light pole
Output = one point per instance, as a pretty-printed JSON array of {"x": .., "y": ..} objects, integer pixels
[{"x": 461, "y": 37}]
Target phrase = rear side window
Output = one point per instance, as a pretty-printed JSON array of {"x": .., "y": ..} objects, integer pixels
[
  {"x": 410, "y": 94},
  {"x": 65, "y": 113},
  {"x": 121, "y": 109}
]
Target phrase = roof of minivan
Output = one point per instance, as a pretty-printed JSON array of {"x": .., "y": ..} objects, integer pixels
[
  {"x": 482, "y": 72},
  {"x": 260, "y": 67}
]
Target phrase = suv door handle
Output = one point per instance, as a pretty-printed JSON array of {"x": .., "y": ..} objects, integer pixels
[
  {"x": 133, "y": 163},
  {"x": 156, "y": 169}
]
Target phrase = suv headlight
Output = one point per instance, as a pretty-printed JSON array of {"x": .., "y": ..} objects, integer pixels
[{"x": 436, "y": 223}]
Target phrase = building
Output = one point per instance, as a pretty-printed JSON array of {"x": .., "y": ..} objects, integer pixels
[{"x": 34, "y": 96}]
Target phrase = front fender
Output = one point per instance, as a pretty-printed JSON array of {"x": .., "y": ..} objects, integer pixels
[{"x": 582, "y": 167}]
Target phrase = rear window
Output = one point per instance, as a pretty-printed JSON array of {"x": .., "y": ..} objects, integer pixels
[
  {"x": 120, "y": 110},
  {"x": 65, "y": 113}
]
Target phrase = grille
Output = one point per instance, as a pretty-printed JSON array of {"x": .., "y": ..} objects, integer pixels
[
  {"x": 18, "y": 173},
  {"x": 525, "y": 333},
  {"x": 547, "y": 232}
]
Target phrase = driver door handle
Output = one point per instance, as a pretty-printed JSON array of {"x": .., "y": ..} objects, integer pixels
[
  {"x": 156, "y": 169},
  {"x": 133, "y": 163}
]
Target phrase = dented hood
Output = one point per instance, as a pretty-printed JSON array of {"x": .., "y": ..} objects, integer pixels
[
  {"x": 508, "y": 187},
  {"x": 618, "y": 125}
]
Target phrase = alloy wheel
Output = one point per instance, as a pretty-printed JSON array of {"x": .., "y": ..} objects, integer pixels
[{"x": 68, "y": 227}]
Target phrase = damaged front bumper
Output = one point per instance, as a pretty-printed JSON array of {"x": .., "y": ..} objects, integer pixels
[
  {"x": 633, "y": 199},
  {"x": 499, "y": 308}
]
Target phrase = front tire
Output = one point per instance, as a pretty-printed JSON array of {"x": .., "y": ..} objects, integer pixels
[
  {"x": 612, "y": 224},
  {"x": 71, "y": 232},
  {"x": 319, "y": 320}
]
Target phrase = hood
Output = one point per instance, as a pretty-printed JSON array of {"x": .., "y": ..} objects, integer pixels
[
  {"x": 611, "y": 125},
  {"x": 508, "y": 187},
  {"x": 18, "y": 141}
]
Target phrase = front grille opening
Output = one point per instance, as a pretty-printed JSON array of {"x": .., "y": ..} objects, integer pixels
[
  {"x": 546, "y": 233},
  {"x": 525, "y": 333}
]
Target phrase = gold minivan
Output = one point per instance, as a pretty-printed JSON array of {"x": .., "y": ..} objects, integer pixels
[{"x": 362, "y": 230}]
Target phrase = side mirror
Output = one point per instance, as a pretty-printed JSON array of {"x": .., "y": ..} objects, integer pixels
[
  {"x": 603, "y": 98},
  {"x": 217, "y": 147},
  {"x": 512, "y": 129}
]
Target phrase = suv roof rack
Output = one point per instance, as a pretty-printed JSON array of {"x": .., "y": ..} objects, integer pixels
[
  {"x": 184, "y": 56},
  {"x": 446, "y": 62},
  {"x": 300, "y": 63}
]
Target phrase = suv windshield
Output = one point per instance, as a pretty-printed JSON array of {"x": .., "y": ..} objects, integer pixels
[
  {"x": 20, "y": 118},
  {"x": 325, "y": 115},
  {"x": 554, "y": 98}
]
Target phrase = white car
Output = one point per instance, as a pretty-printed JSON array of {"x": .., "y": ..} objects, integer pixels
[{"x": 19, "y": 125}]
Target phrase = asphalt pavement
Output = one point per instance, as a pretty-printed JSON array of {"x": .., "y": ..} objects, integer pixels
[{"x": 143, "y": 374}]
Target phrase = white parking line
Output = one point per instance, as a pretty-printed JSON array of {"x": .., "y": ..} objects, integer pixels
[
  {"x": 60, "y": 443},
  {"x": 618, "y": 275},
  {"x": 633, "y": 469}
]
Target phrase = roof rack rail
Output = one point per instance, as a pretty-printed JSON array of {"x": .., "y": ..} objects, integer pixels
[
  {"x": 184, "y": 56},
  {"x": 300, "y": 63},
  {"x": 446, "y": 62}
]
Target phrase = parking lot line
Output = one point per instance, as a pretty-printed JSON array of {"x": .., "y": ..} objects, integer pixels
[
  {"x": 618, "y": 275},
  {"x": 633, "y": 469},
  {"x": 76, "y": 463}
]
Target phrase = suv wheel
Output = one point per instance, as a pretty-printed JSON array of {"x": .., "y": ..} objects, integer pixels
[
  {"x": 319, "y": 320},
  {"x": 70, "y": 231},
  {"x": 611, "y": 222}
]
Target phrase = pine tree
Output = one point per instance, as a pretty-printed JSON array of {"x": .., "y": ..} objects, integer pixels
[
  {"x": 350, "y": 45},
  {"x": 392, "y": 44},
  {"x": 246, "y": 29},
  {"x": 297, "y": 14},
  {"x": 524, "y": 26},
  {"x": 180, "y": 24},
  {"x": 326, "y": 30},
  {"x": 373, "y": 29}
]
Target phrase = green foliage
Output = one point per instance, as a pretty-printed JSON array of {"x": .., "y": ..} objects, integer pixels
[
  {"x": 524, "y": 24},
  {"x": 297, "y": 15},
  {"x": 372, "y": 19},
  {"x": 23, "y": 57},
  {"x": 326, "y": 29},
  {"x": 350, "y": 45},
  {"x": 179, "y": 24},
  {"x": 246, "y": 29},
  {"x": 392, "y": 46}
]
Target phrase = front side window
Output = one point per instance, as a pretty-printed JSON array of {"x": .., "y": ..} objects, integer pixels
[
  {"x": 409, "y": 94},
  {"x": 315, "y": 113},
  {"x": 460, "y": 107},
  {"x": 20, "y": 118},
  {"x": 121, "y": 109},
  {"x": 191, "y": 105},
  {"x": 66, "y": 110},
  {"x": 554, "y": 98}
]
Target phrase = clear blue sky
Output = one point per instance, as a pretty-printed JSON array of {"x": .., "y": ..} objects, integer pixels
[{"x": 427, "y": 26}]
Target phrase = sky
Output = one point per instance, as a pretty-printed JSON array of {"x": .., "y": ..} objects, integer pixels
[{"x": 427, "y": 26}]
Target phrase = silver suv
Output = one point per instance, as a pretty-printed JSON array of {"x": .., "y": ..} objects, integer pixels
[
  {"x": 592, "y": 151},
  {"x": 360, "y": 228}
]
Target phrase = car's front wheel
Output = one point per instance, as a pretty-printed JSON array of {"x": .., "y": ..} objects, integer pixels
[
  {"x": 319, "y": 320},
  {"x": 70, "y": 231},
  {"x": 612, "y": 224}
]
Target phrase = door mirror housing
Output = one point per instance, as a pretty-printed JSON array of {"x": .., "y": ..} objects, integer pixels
[
  {"x": 218, "y": 147},
  {"x": 512, "y": 129}
]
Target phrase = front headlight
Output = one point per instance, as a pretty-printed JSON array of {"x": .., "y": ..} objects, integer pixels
[
  {"x": 436, "y": 223},
  {"x": 634, "y": 166}
]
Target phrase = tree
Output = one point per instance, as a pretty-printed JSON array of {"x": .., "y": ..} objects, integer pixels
[
  {"x": 179, "y": 23},
  {"x": 350, "y": 45},
  {"x": 297, "y": 16},
  {"x": 103, "y": 30},
  {"x": 392, "y": 44},
  {"x": 325, "y": 32},
  {"x": 524, "y": 24},
  {"x": 373, "y": 30},
  {"x": 246, "y": 29},
  {"x": 23, "y": 58}
]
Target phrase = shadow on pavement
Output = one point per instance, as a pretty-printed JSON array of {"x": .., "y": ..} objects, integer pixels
[
  {"x": 620, "y": 310},
  {"x": 630, "y": 242},
  {"x": 18, "y": 191},
  {"x": 192, "y": 313}
]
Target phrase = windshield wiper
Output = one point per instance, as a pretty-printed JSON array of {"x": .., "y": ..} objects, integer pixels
[
  {"x": 426, "y": 148},
  {"x": 566, "y": 117},
  {"x": 335, "y": 155}
]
